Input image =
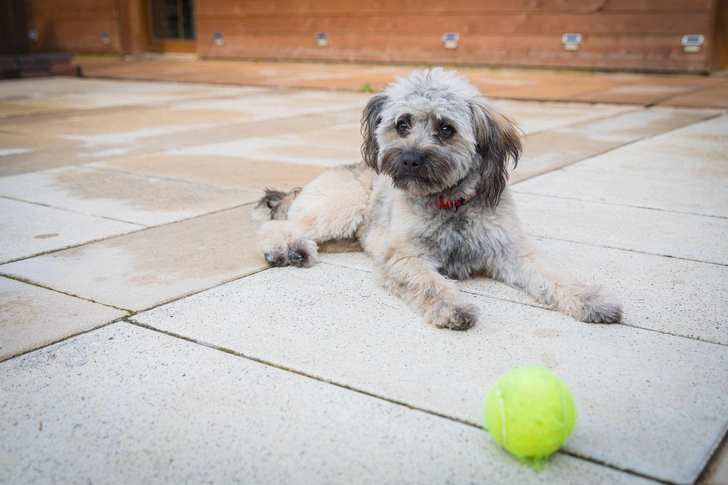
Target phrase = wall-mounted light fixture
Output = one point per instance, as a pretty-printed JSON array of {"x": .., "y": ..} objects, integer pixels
[
  {"x": 692, "y": 43},
  {"x": 450, "y": 40},
  {"x": 322, "y": 39},
  {"x": 33, "y": 35},
  {"x": 218, "y": 38},
  {"x": 105, "y": 38},
  {"x": 571, "y": 42}
]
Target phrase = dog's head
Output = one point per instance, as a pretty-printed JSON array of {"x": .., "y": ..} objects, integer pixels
[{"x": 433, "y": 132}]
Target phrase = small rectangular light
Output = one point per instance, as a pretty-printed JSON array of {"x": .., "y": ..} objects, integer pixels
[
  {"x": 218, "y": 38},
  {"x": 322, "y": 39},
  {"x": 692, "y": 43},
  {"x": 105, "y": 38},
  {"x": 450, "y": 40},
  {"x": 571, "y": 42}
]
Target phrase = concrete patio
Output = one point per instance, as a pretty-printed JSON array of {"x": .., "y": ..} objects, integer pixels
[{"x": 143, "y": 340}]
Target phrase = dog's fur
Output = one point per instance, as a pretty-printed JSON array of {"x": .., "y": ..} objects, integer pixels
[{"x": 426, "y": 137}]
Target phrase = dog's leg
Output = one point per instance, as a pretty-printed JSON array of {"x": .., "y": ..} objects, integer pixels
[
  {"x": 527, "y": 269},
  {"x": 331, "y": 207},
  {"x": 408, "y": 275}
]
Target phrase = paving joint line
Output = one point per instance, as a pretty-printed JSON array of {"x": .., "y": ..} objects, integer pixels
[
  {"x": 649, "y": 137},
  {"x": 614, "y": 204},
  {"x": 682, "y": 258},
  {"x": 41, "y": 204},
  {"x": 64, "y": 339},
  {"x": 107, "y": 238},
  {"x": 38, "y": 285},
  {"x": 261, "y": 361},
  {"x": 540, "y": 307}
]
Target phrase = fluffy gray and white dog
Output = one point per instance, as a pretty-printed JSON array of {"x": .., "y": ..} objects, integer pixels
[{"x": 430, "y": 205}]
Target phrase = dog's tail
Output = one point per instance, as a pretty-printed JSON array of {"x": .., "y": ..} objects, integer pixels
[{"x": 275, "y": 204}]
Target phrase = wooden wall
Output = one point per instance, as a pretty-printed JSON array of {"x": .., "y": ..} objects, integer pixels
[
  {"x": 74, "y": 25},
  {"x": 618, "y": 34}
]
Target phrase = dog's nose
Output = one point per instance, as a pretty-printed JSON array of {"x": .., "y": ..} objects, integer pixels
[{"x": 411, "y": 160}]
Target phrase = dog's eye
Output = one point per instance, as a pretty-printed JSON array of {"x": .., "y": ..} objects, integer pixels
[
  {"x": 447, "y": 131},
  {"x": 402, "y": 127}
]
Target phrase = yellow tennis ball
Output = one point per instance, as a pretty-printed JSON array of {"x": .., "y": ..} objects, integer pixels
[{"x": 530, "y": 412}]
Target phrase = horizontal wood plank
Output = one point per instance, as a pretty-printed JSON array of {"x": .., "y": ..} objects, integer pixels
[
  {"x": 56, "y": 9},
  {"x": 657, "y": 53},
  {"x": 75, "y": 35},
  {"x": 557, "y": 24},
  {"x": 357, "y": 7}
]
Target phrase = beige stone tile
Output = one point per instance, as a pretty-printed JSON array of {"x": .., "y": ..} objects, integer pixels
[
  {"x": 154, "y": 143},
  {"x": 15, "y": 144},
  {"x": 29, "y": 229},
  {"x": 32, "y": 317},
  {"x": 280, "y": 149},
  {"x": 143, "y": 269},
  {"x": 663, "y": 233},
  {"x": 550, "y": 150},
  {"x": 636, "y": 93},
  {"x": 533, "y": 117},
  {"x": 121, "y": 196},
  {"x": 125, "y": 404},
  {"x": 553, "y": 91},
  {"x": 717, "y": 471},
  {"x": 124, "y": 127},
  {"x": 339, "y": 325},
  {"x": 218, "y": 170},
  {"x": 685, "y": 170},
  {"x": 716, "y": 97},
  {"x": 12, "y": 108}
]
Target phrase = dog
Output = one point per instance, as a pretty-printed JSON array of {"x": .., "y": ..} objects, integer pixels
[{"x": 429, "y": 204}]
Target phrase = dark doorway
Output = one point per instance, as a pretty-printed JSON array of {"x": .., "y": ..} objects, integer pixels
[{"x": 172, "y": 25}]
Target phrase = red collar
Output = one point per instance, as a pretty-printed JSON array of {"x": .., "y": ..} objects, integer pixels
[{"x": 453, "y": 204}]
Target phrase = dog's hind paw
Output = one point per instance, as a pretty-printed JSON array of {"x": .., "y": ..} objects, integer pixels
[{"x": 455, "y": 317}]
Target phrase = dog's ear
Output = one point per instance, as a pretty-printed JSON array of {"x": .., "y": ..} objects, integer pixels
[
  {"x": 498, "y": 142},
  {"x": 369, "y": 121}
]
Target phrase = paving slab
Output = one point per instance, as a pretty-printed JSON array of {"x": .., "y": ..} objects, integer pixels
[
  {"x": 553, "y": 149},
  {"x": 536, "y": 116},
  {"x": 96, "y": 409},
  {"x": 76, "y": 94},
  {"x": 138, "y": 199},
  {"x": 648, "y": 402},
  {"x": 160, "y": 141},
  {"x": 685, "y": 170},
  {"x": 101, "y": 130},
  {"x": 30, "y": 229},
  {"x": 218, "y": 170},
  {"x": 645, "y": 92},
  {"x": 688, "y": 236},
  {"x": 279, "y": 150},
  {"x": 32, "y": 317},
  {"x": 13, "y": 144},
  {"x": 666, "y": 295},
  {"x": 714, "y": 97},
  {"x": 153, "y": 266}
]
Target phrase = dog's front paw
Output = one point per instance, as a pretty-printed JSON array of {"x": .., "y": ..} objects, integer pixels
[
  {"x": 302, "y": 254},
  {"x": 598, "y": 305},
  {"x": 454, "y": 317}
]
